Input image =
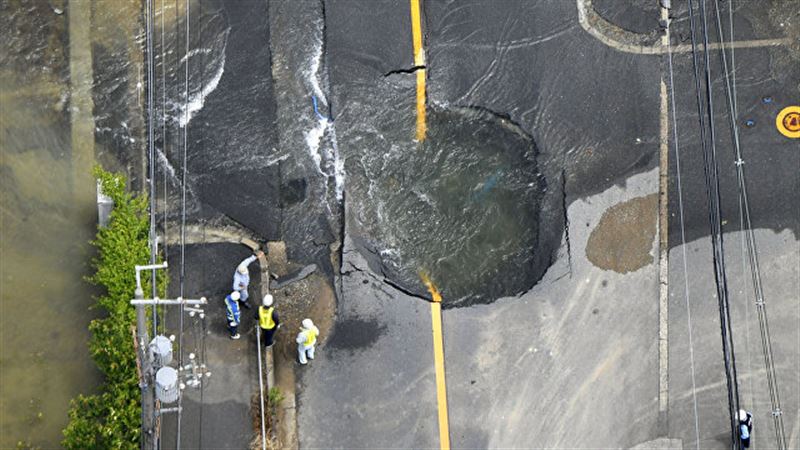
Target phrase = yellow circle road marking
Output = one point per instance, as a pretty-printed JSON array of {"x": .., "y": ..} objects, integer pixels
[{"x": 788, "y": 122}]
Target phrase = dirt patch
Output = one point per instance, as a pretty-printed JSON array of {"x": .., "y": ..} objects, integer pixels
[{"x": 624, "y": 237}]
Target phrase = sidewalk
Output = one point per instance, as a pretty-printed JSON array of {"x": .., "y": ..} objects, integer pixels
[{"x": 218, "y": 416}]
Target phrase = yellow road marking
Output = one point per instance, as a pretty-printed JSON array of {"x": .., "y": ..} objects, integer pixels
[
  {"x": 438, "y": 361},
  {"x": 441, "y": 388},
  {"x": 419, "y": 61}
]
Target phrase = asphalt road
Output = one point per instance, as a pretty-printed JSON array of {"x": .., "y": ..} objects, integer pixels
[{"x": 573, "y": 363}]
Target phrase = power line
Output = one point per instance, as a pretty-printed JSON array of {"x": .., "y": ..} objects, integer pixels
[
  {"x": 711, "y": 175},
  {"x": 683, "y": 240},
  {"x": 183, "y": 218},
  {"x": 766, "y": 342},
  {"x": 164, "y": 168},
  {"x": 151, "y": 152},
  {"x": 148, "y": 432},
  {"x": 203, "y": 336}
]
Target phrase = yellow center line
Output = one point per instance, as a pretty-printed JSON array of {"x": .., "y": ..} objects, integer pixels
[
  {"x": 419, "y": 61},
  {"x": 438, "y": 360}
]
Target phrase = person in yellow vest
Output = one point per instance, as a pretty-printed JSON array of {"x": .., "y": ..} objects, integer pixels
[
  {"x": 268, "y": 320},
  {"x": 306, "y": 340}
]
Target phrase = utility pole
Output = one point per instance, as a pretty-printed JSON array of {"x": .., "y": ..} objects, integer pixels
[{"x": 146, "y": 383}]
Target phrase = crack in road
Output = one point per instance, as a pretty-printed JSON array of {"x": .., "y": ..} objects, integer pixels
[{"x": 410, "y": 70}]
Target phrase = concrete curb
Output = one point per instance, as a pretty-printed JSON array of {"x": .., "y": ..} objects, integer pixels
[
  {"x": 268, "y": 358},
  {"x": 285, "y": 425}
]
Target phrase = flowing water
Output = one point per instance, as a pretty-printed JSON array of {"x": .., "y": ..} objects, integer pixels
[
  {"x": 48, "y": 212},
  {"x": 463, "y": 208}
]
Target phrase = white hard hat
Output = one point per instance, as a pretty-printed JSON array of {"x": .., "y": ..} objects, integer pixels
[
  {"x": 742, "y": 415},
  {"x": 235, "y": 295},
  {"x": 267, "y": 300},
  {"x": 242, "y": 268},
  {"x": 308, "y": 324}
]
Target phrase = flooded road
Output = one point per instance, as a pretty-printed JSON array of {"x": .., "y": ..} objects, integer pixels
[
  {"x": 463, "y": 209},
  {"x": 48, "y": 214},
  {"x": 48, "y": 218}
]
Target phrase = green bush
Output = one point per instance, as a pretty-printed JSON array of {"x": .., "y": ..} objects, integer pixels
[{"x": 112, "y": 418}]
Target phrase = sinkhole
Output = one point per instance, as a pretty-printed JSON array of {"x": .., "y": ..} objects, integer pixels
[{"x": 464, "y": 207}]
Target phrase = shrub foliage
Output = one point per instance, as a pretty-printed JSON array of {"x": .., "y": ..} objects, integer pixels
[{"x": 111, "y": 418}]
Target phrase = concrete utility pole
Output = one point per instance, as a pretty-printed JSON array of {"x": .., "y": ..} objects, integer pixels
[
  {"x": 146, "y": 393},
  {"x": 146, "y": 383}
]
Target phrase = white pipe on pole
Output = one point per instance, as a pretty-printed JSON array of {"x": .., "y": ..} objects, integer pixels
[{"x": 261, "y": 389}]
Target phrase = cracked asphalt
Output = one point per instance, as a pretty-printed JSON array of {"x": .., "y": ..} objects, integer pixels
[{"x": 574, "y": 362}]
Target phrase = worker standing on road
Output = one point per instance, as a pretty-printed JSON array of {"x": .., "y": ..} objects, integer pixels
[
  {"x": 233, "y": 313},
  {"x": 745, "y": 427},
  {"x": 241, "y": 278},
  {"x": 268, "y": 320},
  {"x": 306, "y": 340}
]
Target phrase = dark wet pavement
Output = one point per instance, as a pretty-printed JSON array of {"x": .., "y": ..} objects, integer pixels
[
  {"x": 217, "y": 415},
  {"x": 526, "y": 370},
  {"x": 371, "y": 383}
]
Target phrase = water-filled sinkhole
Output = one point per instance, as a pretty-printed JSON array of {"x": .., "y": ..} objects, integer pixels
[{"x": 462, "y": 207}]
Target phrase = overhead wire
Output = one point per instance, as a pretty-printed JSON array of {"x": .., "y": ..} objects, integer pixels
[
  {"x": 183, "y": 218},
  {"x": 722, "y": 287},
  {"x": 683, "y": 239},
  {"x": 747, "y": 230},
  {"x": 152, "y": 235},
  {"x": 742, "y": 227},
  {"x": 164, "y": 168},
  {"x": 711, "y": 176},
  {"x": 151, "y": 157},
  {"x": 202, "y": 355}
]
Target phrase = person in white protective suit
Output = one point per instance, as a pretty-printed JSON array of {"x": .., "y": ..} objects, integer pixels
[{"x": 306, "y": 340}]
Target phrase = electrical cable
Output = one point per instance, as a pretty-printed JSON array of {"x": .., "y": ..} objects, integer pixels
[
  {"x": 722, "y": 284},
  {"x": 683, "y": 240},
  {"x": 151, "y": 156},
  {"x": 711, "y": 173},
  {"x": 183, "y": 220},
  {"x": 747, "y": 231},
  {"x": 164, "y": 168},
  {"x": 202, "y": 359},
  {"x": 152, "y": 237}
]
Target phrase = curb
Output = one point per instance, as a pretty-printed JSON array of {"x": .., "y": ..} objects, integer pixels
[{"x": 286, "y": 420}]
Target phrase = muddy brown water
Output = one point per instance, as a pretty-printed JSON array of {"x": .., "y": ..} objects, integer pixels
[
  {"x": 48, "y": 209},
  {"x": 44, "y": 301}
]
